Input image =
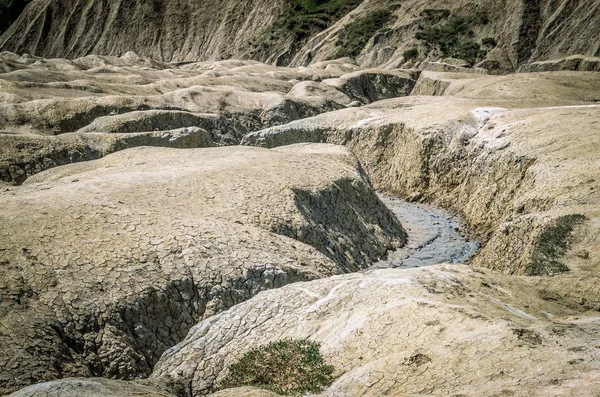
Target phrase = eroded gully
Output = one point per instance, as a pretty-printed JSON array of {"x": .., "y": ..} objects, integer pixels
[{"x": 434, "y": 236}]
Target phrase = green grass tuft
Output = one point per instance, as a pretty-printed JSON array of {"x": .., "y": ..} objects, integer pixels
[
  {"x": 551, "y": 245},
  {"x": 413, "y": 53},
  {"x": 287, "y": 367}
]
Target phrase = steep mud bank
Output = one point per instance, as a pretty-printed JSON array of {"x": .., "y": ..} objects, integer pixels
[{"x": 511, "y": 173}]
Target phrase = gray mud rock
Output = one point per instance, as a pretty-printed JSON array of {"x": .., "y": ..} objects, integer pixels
[
  {"x": 24, "y": 155},
  {"x": 108, "y": 263}
]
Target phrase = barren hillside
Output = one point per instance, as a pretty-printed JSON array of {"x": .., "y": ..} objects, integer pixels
[{"x": 505, "y": 33}]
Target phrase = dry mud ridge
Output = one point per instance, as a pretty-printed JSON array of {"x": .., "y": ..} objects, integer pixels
[
  {"x": 57, "y": 111},
  {"x": 169, "y": 263},
  {"x": 511, "y": 33}
]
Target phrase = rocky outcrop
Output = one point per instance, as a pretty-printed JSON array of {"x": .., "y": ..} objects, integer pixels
[
  {"x": 108, "y": 263},
  {"x": 57, "y": 111},
  {"x": 512, "y": 165},
  {"x": 503, "y": 34},
  {"x": 443, "y": 330}
]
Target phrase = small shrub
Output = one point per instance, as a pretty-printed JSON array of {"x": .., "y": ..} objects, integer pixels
[
  {"x": 551, "y": 245},
  {"x": 301, "y": 18},
  {"x": 434, "y": 15},
  {"x": 454, "y": 37},
  {"x": 287, "y": 367},
  {"x": 353, "y": 38},
  {"x": 489, "y": 41},
  {"x": 411, "y": 54}
]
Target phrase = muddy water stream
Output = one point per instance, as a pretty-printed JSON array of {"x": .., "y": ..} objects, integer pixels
[{"x": 434, "y": 236}]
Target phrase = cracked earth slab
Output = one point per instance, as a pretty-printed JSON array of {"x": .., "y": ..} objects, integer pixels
[
  {"x": 108, "y": 263},
  {"x": 92, "y": 387},
  {"x": 440, "y": 330}
]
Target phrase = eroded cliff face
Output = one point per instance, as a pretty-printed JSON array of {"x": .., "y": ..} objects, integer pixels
[
  {"x": 500, "y": 34},
  {"x": 503, "y": 34},
  {"x": 168, "y": 30}
]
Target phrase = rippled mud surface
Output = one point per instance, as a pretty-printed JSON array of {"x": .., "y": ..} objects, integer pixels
[{"x": 434, "y": 236}]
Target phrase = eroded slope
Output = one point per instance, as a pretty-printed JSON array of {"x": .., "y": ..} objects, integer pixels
[{"x": 504, "y": 34}]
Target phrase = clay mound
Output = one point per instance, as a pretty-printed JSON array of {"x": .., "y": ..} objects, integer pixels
[
  {"x": 442, "y": 330},
  {"x": 23, "y": 155},
  {"x": 574, "y": 62},
  {"x": 76, "y": 99},
  {"x": 108, "y": 263},
  {"x": 534, "y": 89},
  {"x": 152, "y": 120}
]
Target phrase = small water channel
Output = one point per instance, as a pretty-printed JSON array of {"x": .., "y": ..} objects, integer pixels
[{"x": 434, "y": 236}]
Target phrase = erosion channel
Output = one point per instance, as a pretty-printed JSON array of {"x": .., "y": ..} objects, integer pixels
[{"x": 434, "y": 236}]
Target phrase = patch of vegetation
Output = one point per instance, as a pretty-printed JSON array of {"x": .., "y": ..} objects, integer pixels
[
  {"x": 454, "y": 37},
  {"x": 551, "y": 245},
  {"x": 287, "y": 367},
  {"x": 10, "y": 11},
  {"x": 413, "y": 53},
  {"x": 303, "y": 18},
  {"x": 434, "y": 16},
  {"x": 489, "y": 41},
  {"x": 353, "y": 38}
]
